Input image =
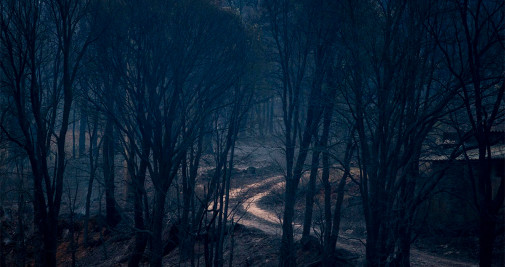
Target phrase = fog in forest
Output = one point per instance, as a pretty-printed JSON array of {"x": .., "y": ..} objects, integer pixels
[{"x": 252, "y": 133}]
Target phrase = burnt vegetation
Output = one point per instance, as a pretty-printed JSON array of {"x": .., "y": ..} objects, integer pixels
[{"x": 252, "y": 133}]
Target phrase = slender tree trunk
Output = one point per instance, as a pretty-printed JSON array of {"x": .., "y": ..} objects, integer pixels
[
  {"x": 219, "y": 233},
  {"x": 157, "y": 228},
  {"x": 327, "y": 249},
  {"x": 2, "y": 255},
  {"x": 311, "y": 191},
  {"x": 187, "y": 241},
  {"x": 73, "y": 135},
  {"x": 138, "y": 180},
  {"x": 288, "y": 253},
  {"x": 226, "y": 196},
  {"x": 340, "y": 195},
  {"x": 92, "y": 156},
  {"x": 337, "y": 212},
  {"x": 186, "y": 199},
  {"x": 82, "y": 131},
  {"x": 112, "y": 215},
  {"x": 88, "y": 204},
  {"x": 140, "y": 235},
  {"x": 20, "y": 242}
]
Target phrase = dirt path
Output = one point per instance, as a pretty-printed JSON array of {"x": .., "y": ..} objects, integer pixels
[{"x": 270, "y": 223}]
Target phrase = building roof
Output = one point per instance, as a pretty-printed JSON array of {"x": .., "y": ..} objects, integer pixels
[{"x": 497, "y": 152}]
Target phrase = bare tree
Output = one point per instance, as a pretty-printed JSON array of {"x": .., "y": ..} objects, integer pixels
[
  {"x": 173, "y": 67},
  {"x": 324, "y": 27},
  {"x": 396, "y": 93},
  {"x": 471, "y": 37},
  {"x": 302, "y": 39},
  {"x": 40, "y": 76}
]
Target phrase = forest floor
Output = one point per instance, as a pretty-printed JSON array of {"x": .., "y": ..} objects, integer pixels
[
  {"x": 262, "y": 208},
  {"x": 256, "y": 204},
  {"x": 256, "y": 208}
]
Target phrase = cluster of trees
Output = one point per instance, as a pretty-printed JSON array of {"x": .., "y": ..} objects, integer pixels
[
  {"x": 382, "y": 76},
  {"x": 161, "y": 84},
  {"x": 154, "y": 80}
]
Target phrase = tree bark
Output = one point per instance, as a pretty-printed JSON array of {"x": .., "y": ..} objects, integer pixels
[
  {"x": 82, "y": 131},
  {"x": 287, "y": 252},
  {"x": 311, "y": 190},
  {"x": 157, "y": 228},
  {"x": 112, "y": 215},
  {"x": 93, "y": 155}
]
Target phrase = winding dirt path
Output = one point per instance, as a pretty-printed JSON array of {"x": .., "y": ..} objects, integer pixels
[{"x": 270, "y": 223}]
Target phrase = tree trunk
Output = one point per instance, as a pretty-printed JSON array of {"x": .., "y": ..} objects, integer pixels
[
  {"x": 336, "y": 214},
  {"x": 50, "y": 243},
  {"x": 340, "y": 194},
  {"x": 93, "y": 155},
  {"x": 88, "y": 204},
  {"x": 2, "y": 256},
  {"x": 112, "y": 215},
  {"x": 20, "y": 242},
  {"x": 187, "y": 191},
  {"x": 327, "y": 210},
  {"x": 157, "y": 228},
  {"x": 489, "y": 205},
  {"x": 288, "y": 253},
  {"x": 82, "y": 131},
  {"x": 311, "y": 191},
  {"x": 140, "y": 235},
  {"x": 138, "y": 180},
  {"x": 403, "y": 254},
  {"x": 187, "y": 241},
  {"x": 486, "y": 240}
]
